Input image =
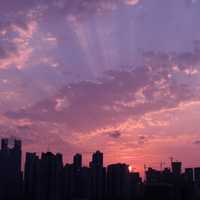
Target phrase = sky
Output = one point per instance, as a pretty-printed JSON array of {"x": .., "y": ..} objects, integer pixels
[{"x": 120, "y": 76}]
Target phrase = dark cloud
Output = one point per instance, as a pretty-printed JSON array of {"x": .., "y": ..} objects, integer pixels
[
  {"x": 24, "y": 128},
  {"x": 197, "y": 142},
  {"x": 115, "y": 134},
  {"x": 142, "y": 137},
  {"x": 142, "y": 140}
]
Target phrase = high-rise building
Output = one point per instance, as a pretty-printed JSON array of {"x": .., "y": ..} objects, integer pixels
[
  {"x": 76, "y": 179},
  {"x": 85, "y": 182},
  {"x": 159, "y": 191},
  {"x": 77, "y": 171},
  {"x": 10, "y": 170},
  {"x": 31, "y": 176},
  {"x": 189, "y": 175},
  {"x": 17, "y": 155},
  {"x": 69, "y": 188},
  {"x": 166, "y": 176},
  {"x": 176, "y": 168},
  {"x": 50, "y": 175},
  {"x": 135, "y": 182},
  {"x": 97, "y": 159},
  {"x": 197, "y": 175},
  {"x": 153, "y": 176},
  {"x": 97, "y": 177},
  {"x": 4, "y": 144},
  {"x": 77, "y": 161},
  {"x": 118, "y": 182}
]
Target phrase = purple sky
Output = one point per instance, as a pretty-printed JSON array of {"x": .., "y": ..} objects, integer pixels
[{"x": 121, "y": 76}]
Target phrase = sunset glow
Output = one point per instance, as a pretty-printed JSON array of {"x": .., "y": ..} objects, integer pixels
[
  {"x": 121, "y": 76},
  {"x": 130, "y": 168}
]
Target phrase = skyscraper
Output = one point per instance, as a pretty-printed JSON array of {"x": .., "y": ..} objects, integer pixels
[
  {"x": 189, "y": 174},
  {"x": 77, "y": 170},
  {"x": 10, "y": 170},
  {"x": 98, "y": 177},
  {"x": 50, "y": 183},
  {"x": 31, "y": 176},
  {"x": 69, "y": 189},
  {"x": 97, "y": 159},
  {"x": 4, "y": 144},
  {"x": 118, "y": 182},
  {"x": 153, "y": 176},
  {"x": 197, "y": 175},
  {"x": 77, "y": 161}
]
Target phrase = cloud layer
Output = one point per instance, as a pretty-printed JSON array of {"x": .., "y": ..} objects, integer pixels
[{"x": 111, "y": 75}]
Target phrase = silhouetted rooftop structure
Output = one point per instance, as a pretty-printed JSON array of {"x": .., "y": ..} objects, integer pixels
[
  {"x": 77, "y": 161},
  {"x": 176, "y": 168}
]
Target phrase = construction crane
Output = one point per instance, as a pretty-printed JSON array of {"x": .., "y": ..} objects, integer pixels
[
  {"x": 145, "y": 167},
  {"x": 161, "y": 165},
  {"x": 171, "y": 159}
]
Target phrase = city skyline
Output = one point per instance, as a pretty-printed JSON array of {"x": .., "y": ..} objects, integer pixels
[
  {"x": 84, "y": 159},
  {"x": 47, "y": 177},
  {"x": 121, "y": 76}
]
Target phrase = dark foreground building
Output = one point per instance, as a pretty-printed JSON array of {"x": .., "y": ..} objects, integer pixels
[
  {"x": 10, "y": 171},
  {"x": 43, "y": 178},
  {"x": 97, "y": 177},
  {"x": 118, "y": 182}
]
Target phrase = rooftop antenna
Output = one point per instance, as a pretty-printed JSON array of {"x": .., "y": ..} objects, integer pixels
[
  {"x": 145, "y": 167},
  {"x": 48, "y": 148},
  {"x": 171, "y": 160}
]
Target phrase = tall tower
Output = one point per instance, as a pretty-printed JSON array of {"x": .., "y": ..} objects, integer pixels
[
  {"x": 4, "y": 144},
  {"x": 77, "y": 161},
  {"x": 18, "y": 144},
  {"x": 118, "y": 186},
  {"x": 97, "y": 159},
  {"x": 17, "y": 150},
  {"x": 10, "y": 170},
  {"x": 31, "y": 176},
  {"x": 98, "y": 176}
]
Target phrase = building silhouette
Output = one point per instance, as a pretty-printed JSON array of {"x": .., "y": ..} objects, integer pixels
[
  {"x": 197, "y": 175},
  {"x": 31, "y": 176},
  {"x": 45, "y": 177},
  {"x": 10, "y": 170},
  {"x": 97, "y": 177},
  {"x": 189, "y": 175},
  {"x": 77, "y": 161},
  {"x": 50, "y": 176},
  {"x": 176, "y": 168},
  {"x": 118, "y": 182}
]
